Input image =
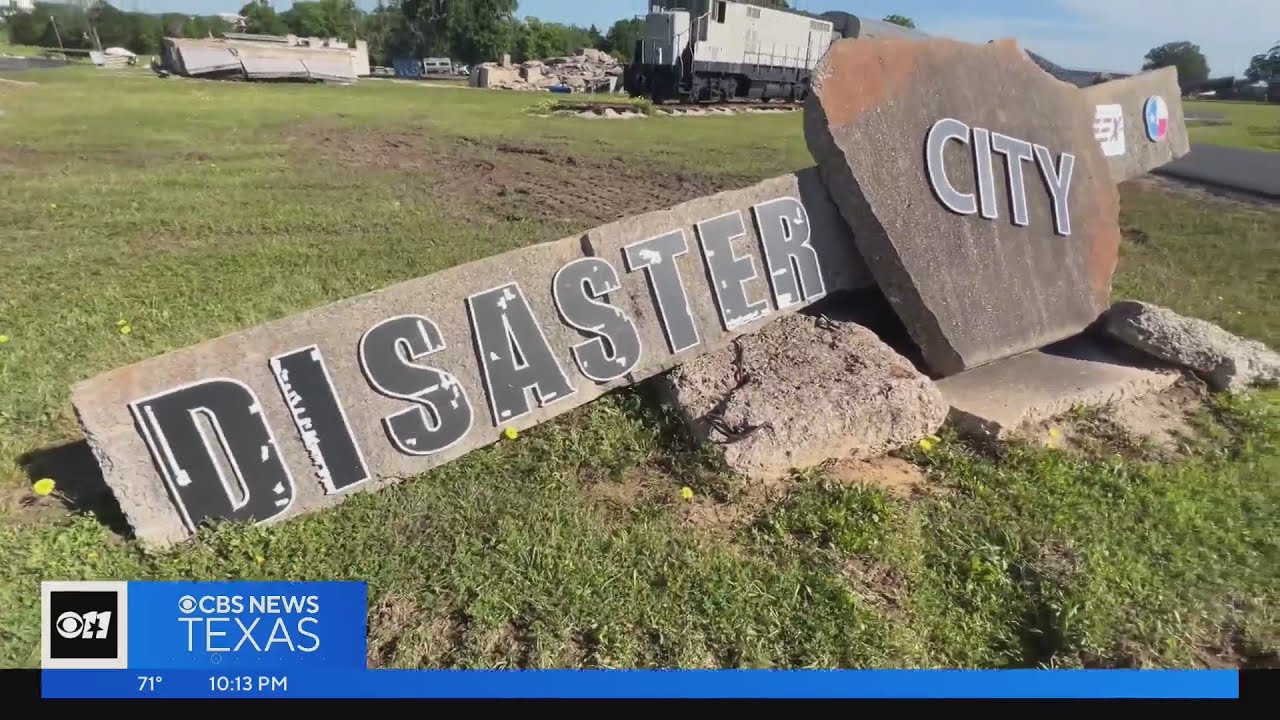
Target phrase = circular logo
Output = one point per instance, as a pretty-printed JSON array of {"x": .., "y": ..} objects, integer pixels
[
  {"x": 1156, "y": 115},
  {"x": 187, "y": 604},
  {"x": 69, "y": 625}
]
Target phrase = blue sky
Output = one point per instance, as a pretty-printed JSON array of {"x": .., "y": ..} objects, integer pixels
[{"x": 1087, "y": 34}]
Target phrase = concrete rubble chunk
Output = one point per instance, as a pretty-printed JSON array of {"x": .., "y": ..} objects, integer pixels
[
  {"x": 802, "y": 391},
  {"x": 1224, "y": 360},
  {"x": 997, "y": 399},
  {"x": 979, "y": 265},
  {"x": 1120, "y": 111},
  {"x": 589, "y": 70}
]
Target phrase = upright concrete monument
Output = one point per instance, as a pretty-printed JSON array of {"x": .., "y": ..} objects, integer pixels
[{"x": 963, "y": 180}]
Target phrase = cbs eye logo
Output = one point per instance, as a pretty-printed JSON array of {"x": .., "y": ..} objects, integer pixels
[{"x": 84, "y": 624}]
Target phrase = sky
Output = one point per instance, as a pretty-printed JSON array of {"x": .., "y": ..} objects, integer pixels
[{"x": 1109, "y": 35}]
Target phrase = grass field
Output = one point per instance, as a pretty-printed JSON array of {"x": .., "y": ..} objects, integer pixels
[
  {"x": 190, "y": 209},
  {"x": 1251, "y": 125}
]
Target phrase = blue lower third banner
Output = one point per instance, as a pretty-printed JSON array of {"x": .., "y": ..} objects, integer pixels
[{"x": 307, "y": 640}]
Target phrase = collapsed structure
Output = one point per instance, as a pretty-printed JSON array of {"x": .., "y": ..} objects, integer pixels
[{"x": 242, "y": 56}]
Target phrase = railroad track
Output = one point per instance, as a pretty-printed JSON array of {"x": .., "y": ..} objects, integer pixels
[{"x": 675, "y": 108}]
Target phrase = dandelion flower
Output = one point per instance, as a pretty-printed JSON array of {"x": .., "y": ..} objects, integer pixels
[
  {"x": 511, "y": 433},
  {"x": 125, "y": 329},
  {"x": 4, "y": 339},
  {"x": 92, "y": 555},
  {"x": 926, "y": 444},
  {"x": 121, "y": 323},
  {"x": 43, "y": 486},
  {"x": 686, "y": 493}
]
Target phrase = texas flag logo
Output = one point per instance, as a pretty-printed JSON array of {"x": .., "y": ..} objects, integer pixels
[{"x": 1156, "y": 114}]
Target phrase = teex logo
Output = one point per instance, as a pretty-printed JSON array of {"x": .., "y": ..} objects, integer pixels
[{"x": 84, "y": 624}]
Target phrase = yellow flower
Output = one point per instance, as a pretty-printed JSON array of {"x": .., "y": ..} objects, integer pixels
[
  {"x": 511, "y": 433},
  {"x": 259, "y": 559},
  {"x": 926, "y": 444},
  {"x": 93, "y": 555},
  {"x": 125, "y": 329},
  {"x": 686, "y": 493},
  {"x": 1055, "y": 433},
  {"x": 4, "y": 339},
  {"x": 121, "y": 323},
  {"x": 43, "y": 486}
]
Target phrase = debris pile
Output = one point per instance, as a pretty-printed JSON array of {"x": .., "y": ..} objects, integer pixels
[{"x": 590, "y": 70}]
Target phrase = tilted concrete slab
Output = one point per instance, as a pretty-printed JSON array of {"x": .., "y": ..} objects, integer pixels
[
  {"x": 291, "y": 416},
  {"x": 998, "y": 398},
  {"x": 975, "y": 189},
  {"x": 1120, "y": 111}
]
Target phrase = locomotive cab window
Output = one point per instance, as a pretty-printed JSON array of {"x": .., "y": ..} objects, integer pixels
[{"x": 720, "y": 10}]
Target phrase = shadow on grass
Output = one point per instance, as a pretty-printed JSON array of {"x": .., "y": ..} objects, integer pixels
[{"x": 81, "y": 486}]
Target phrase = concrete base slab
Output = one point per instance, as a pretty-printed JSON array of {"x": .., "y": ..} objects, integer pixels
[{"x": 994, "y": 400}]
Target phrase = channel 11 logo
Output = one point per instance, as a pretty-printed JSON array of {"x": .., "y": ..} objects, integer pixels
[{"x": 84, "y": 625}]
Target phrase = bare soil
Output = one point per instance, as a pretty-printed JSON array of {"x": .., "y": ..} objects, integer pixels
[{"x": 513, "y": 181}]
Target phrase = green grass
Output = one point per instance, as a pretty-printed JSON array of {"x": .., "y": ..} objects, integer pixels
[
  {"x": 183, "y": 206},
  {"x": 1250, "y": 125}
]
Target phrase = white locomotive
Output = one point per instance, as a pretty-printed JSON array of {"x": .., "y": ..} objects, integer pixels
[{"x": 715, "y": 50}]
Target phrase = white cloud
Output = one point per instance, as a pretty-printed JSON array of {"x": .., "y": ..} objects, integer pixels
[{"x": 1116, "y": 34}]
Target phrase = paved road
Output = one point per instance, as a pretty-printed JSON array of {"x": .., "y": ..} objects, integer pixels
[{"x": 1256, "y": 172}]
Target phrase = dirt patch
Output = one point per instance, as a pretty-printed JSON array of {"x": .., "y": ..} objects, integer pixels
[
  {"x": 1156, "y": 426},
  {"x": 511, "y": 181},
  {"x": 879, "y": 583},
  {"x": 893, "y": 475},
  {"x": 389, "y": 622}
]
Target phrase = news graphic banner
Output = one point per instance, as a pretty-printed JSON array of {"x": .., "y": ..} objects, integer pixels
[{"x": 130, "y": 639}]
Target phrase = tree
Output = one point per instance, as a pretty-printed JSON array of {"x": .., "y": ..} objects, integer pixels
[
  {"x": 621, "y": 39},
  {"x": 1265, "y": 66},
  {"x": 1192, "y": 67},
  {"x": 260, "y": 17},
  {"x": 902, "y": 20}
]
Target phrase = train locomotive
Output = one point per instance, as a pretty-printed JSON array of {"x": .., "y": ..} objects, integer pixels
[{"x": 699, "y": 51}]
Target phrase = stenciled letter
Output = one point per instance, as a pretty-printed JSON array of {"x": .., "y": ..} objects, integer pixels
[
  {"x": 318, "y": 415},
  {"x": 1058, "y": 182},
  {"x": 216, "y": 452},
  {"x": 795, "y": 274},
  {"x": 1015, "y": 152},
  {"x": 729, "y": 271},
  {"x": 936, "y": 162},
  {"x": 616, "y": 348},
  {"x": 657, "y": 256},
  {"x": 443, "y": 413},
  {"x": 514, "y": 353}
]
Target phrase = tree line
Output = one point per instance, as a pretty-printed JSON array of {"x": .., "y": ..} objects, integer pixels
[{"x": 467, "y": 31}]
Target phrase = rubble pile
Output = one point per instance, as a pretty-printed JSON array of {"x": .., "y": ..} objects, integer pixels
[{"x": 590, "y": 70}]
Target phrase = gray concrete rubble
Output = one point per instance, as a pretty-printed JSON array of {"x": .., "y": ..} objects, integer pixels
[
  {"x": 1225, "y": 361},
  {"x": 590, "y": 70},
  {"x": 801, "y": 391},
  {"x": 996, "y": 399}
]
